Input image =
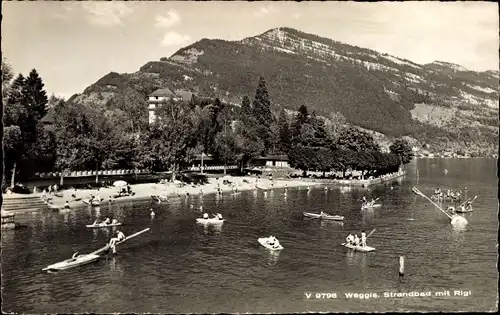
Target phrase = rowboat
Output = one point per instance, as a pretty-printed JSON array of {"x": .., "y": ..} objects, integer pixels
[
  {"x": 324, "y": 216},
  {"x": 376, "y": 205},
  {"x": 464, "y": 211},
  {"x": 102, "y": 225},
  {"x": 359, "y": 248},
  {"x": 159, "y": 198},
  {"x": 264, "y": 241},
  {"x": 93, "y": 203},
  {"x": 312, "y": 215},
  {"x": 333, "y": 217},
  {"x": 210, "y": 220},
  {"x": 72, "y": 262}
]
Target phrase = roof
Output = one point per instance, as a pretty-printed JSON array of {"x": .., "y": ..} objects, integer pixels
[
  {"x": 282, "y": 157},
  {"x": 185, "y": 95},
  {"x": 49, "y": 117},
  {"x": 206, "y": 157},
  {"x": 162, "y": 92}
]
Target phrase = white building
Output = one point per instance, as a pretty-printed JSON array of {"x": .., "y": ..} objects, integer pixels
[{"x": 157, "y": 98}]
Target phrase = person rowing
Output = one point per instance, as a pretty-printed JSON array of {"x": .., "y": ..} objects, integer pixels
[
  {"x": 119, "y": 237},
  {"x": 363, "y": 238},
  {"x": 115, "y": 221},
  {"x": 462, "y": 208},
  {"x": 218, "y": 216},
  {"x": 205, "y": 216}
]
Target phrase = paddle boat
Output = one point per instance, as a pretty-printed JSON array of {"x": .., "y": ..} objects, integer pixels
[
  {"x": 265, "y": 241},
  {"x": 210, "y": 220},
  {"x": 359, "y": 248}
]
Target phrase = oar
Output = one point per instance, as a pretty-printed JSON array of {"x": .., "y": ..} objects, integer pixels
[
  {"x": 371, "y": 233},
  {"x": 133, "y": 235},
  {"x": 418, "y": 192},
  {"x": 467, "y": 200},
  {"x": 473, "y": 199}
]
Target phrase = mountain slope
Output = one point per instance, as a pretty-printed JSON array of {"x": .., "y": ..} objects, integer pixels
[{"x": 432, "y": 102}]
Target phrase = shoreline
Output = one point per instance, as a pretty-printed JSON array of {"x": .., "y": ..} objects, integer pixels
[
  {"x": 169, "y": 190},
  {"x": 356, "y": 182}
]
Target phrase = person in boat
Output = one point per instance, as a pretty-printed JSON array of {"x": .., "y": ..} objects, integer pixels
[
  {"x": 468, "y": 205},
  {"x": 115, "y": 221},
  {"x": 356, "y": 240},
  {"x": 218, "y": 216},
  {"x": 349, "y": 239},
  {"x": 272, "y": 240},
  {"x": 363, "y": 238},
  {"x": 152, "y": 213},
  {"x": 365, "y": 202},
  {"x": 462, "y": 208},
  {"x": 106, "y": 221},
  {"x": 44, "y": 194},
  {"x": 66, "y": 204},
  {"x": 119, "y": 237},
  {"x": 205, "y": 215},
  {"x": 73, "y": 195}
]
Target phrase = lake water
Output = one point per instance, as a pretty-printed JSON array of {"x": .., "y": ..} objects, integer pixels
[{"x": 180, "y": 266}]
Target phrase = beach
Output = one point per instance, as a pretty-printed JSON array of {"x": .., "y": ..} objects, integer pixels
[{"x": 170, "y": 189}]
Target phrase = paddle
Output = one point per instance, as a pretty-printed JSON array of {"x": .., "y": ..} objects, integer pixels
[
  {"x": 371, "y": 233},
  {"x": 418, "y": 192}
]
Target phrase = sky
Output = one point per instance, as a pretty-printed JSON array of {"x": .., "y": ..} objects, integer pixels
[{"x": 73, "y": 44}]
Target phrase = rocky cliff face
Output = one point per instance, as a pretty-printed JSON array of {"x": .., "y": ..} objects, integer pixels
[{"x": 439, "y": 103}]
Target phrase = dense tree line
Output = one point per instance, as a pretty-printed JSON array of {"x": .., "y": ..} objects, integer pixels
[{"x": 86, "y": 137}]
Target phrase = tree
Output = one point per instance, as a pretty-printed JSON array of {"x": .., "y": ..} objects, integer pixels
[
  {"x": 284, "y": 133},
  {"x": 35, "y": 97},
  {"x": 248, "y": 144},
  {"x": 13, "y": 145},
  {"x": 261, "y": 110},
  {"x": 246, "y": 108},
  {"x": 171, "y": 137},
  {"x": 356, "y": 140},
  {"x": 403, "y": 149},
  {"x": 7, "y": 76}
]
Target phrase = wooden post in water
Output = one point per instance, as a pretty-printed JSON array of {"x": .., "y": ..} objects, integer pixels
[{"x": 401, "y": 266}]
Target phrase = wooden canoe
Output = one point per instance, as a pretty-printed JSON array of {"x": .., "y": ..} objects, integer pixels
[{"x": 72, "y": 262}]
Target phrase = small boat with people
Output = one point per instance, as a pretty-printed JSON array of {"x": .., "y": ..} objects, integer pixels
[
  {"x": 270, "y": 242},
  {"x": 358, "y": 243},
  {"x": 78, "y": 260},
  {"x": 103, "y": 224},
  {"x": 159, "y": 198},
  {"x": 217, "y": 219},
  {"x": 323, "y": 215},
  {"x": 370, "y": 204}
]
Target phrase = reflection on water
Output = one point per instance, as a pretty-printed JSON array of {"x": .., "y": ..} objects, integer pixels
[
  {"x": 273, "y": 257},
  {"x": 164, "y": 265}
]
